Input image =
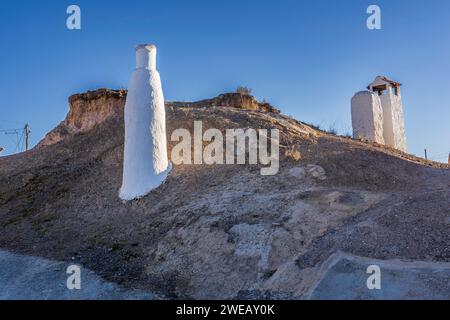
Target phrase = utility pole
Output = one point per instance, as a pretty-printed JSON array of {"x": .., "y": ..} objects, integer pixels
[
  {"x": 27, "y": 136},
  {"x": 426, "y": 157}
]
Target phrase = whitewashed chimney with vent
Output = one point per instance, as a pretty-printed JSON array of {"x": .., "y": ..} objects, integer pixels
[
  {"x": 377, "y": 114},
  {"x": 145, "y": 164},
  {"x": 391, "y": 103}
]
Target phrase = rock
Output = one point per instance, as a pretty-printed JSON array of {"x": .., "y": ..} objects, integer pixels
[
  {"x": 85, "y": 112},
  {"x": 252, "y": 241},
  {"x": 233, "y": 99},
  {"x": 297, "y": 172},
  {"x": 311, "y": 170},
  {"x": 316, "y": 171}
]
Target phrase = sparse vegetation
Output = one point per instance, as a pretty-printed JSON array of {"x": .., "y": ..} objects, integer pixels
[
  {"x": 316, "y": 127},
  {"x": 348, "y": 135},
  {"x": 332, "y": 131},
  {"x": 294, "y": 153},
  {"x": 244, "y": 90}
]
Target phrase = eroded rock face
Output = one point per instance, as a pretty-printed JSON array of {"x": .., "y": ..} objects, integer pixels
[
  {"x": 86, "y": 110},
  {"x": 235, "y": 100},
  {"x": 93, "y": 107}
]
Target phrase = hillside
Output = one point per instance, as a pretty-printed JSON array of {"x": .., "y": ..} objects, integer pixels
[{"x": 221, "y": 231}]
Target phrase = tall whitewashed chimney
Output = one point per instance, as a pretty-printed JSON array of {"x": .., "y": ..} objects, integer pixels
[
  {"x": 145, "y": 164},
  {"x": 377, "y": 114},
  {"x": 391, "y": 103}
]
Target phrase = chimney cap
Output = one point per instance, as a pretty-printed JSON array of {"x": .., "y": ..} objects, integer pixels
[
  {"x": 381, "y": 80},
  {"x": 148, "y": 47}
]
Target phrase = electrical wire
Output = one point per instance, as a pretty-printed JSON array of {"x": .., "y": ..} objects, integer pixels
[{"x": 19, "y": 141}]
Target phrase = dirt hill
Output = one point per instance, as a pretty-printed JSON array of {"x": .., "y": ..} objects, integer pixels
[{"x": 221, "y": 231}]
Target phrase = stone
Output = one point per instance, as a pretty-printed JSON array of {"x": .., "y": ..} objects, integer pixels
[
  {"x": 297, "y": 172},
  {"x": 316, "y": 171}
]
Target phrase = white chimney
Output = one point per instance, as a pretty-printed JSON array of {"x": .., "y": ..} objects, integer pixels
[
  {"x": 377, "y": 114},
  {"x": 145, "y": 164}
]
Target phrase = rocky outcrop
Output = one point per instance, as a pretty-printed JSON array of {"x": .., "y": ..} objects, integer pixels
[
  {"x": 86, "y": 110},
  {"x": 235, "y": 100}
]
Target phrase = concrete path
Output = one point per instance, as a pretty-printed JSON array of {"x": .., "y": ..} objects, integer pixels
[
  {"x": 34, "y": 278},
  {"x": 342, "y": 276},
  {"x": 345, "y": 276}
]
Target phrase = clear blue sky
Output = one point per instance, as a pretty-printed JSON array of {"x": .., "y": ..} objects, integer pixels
[{"x": 306, "y": 57}]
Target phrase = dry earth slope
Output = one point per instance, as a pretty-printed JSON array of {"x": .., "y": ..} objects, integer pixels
[{"x": 221, "y": 231}]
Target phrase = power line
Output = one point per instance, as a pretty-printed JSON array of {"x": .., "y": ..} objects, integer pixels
[
  {"x": 10, "y": 130},
  {"x": 19, "y": 141}
]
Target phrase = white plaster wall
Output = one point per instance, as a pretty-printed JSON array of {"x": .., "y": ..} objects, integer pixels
[
  {"x": 399, "y": 124},
  {"x": 393, "y": 120},
  {"x": 367, "y": 116},
  {"x": 388, "y": 131}
]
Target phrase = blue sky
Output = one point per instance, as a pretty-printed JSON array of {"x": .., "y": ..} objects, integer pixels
[{"x": 306, "y": 57}]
